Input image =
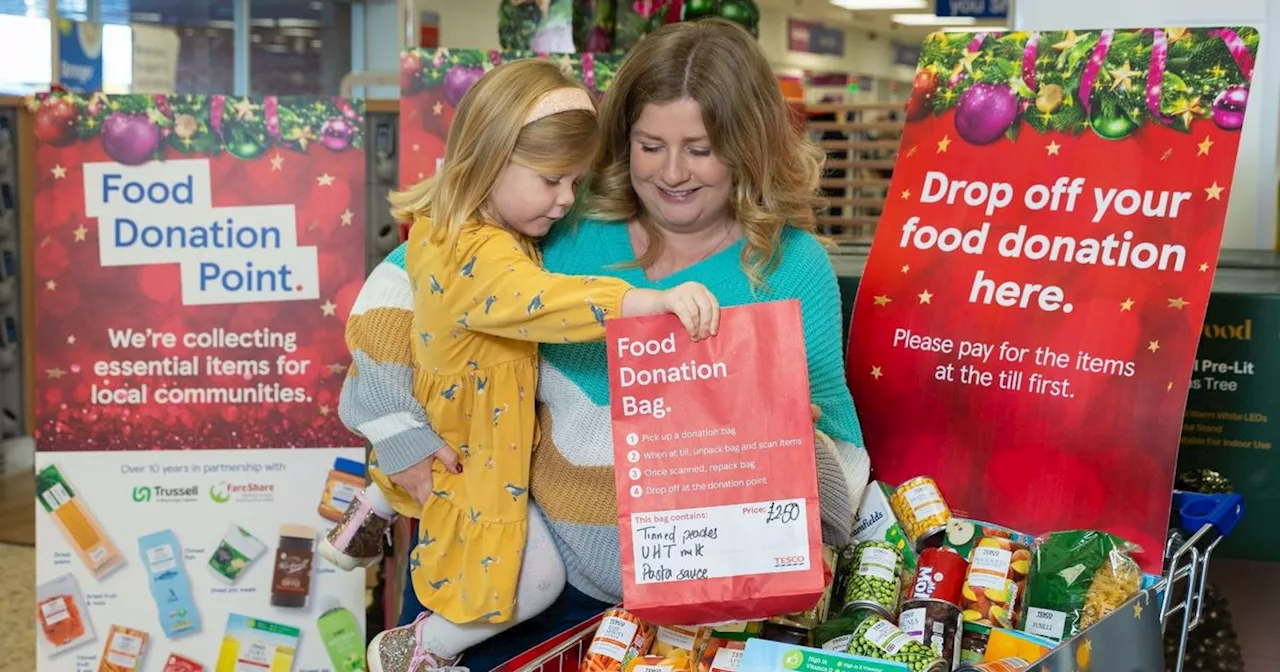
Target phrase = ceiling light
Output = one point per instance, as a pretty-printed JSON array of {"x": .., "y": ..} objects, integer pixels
[
  {"x": 872, "y": 5},
  {"x": 931, "y": 20}
]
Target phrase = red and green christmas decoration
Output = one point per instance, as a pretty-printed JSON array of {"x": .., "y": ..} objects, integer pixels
[
  {"x": 1109, "y": 82},
  {"x": 137, "y": 128},
  {"x": 453, "y": 72}
]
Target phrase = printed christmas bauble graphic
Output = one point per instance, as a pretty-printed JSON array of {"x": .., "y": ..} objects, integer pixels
[
  {"x": 1228, "y": 108},
  {"x": 985, "y": 112},
  {"x": 459, "y": 80},
  {"x": 1112, "y": 127},
  {"x": 920, "y": 104},
  {"x": 130, "y": 139},
  {"x": 56, "y": 121}
]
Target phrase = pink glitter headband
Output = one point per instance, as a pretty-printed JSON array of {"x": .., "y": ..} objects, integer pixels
[{"x": 560, "y": 100}]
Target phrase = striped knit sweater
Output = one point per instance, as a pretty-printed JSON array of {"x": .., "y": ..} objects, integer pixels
[{"x": 572, "y": 476}]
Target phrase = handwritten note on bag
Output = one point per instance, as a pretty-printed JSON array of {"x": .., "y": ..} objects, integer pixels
[{"x": 715, "y": 467}]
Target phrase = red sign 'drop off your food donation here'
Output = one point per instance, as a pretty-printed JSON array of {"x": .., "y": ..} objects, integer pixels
[
  {"x": 1027, "y": 321},
  {"x": 716, "y": 473}
]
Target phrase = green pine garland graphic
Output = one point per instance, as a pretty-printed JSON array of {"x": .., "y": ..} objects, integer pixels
[
  {"x": 192, "y": 124},
  {"x": 1200, "y": 66}
]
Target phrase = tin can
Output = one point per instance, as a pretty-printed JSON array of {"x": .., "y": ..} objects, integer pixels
[
  {"x": 995, "y": 582},
  {"x": 973, "y": 642},
  {"x": 1002, "y": 665},
  {"x": 878, "y": 638},
  {"x": 939, "y": 575},
  {"x": 876, "y": 582},
  {"x": 837, "y": 632},
  {"x": 787, "y": 632},
  {"x": 936, "y": 624},
  {"x": 922, "y": 511}
]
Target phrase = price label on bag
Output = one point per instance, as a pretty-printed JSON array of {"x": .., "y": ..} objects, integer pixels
[{"x": 716, "y": 471}]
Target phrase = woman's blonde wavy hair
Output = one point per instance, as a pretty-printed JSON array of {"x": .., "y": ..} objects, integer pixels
[
  {"x": 488, "y": 131},
  {"x": 717, "y": 64}
]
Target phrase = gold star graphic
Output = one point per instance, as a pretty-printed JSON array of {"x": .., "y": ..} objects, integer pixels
[
  {"x": 1204, "y": 267},
  {"x": 880, "y": 300},
  {"x": 876, "y": 372},
  {"x": 329, "y": 308},
  {"x": 906, "y": 194},
  {"x": 906, "y": 268},
  {"x": 245, "y": 109},
  {"x": 80, "y": 232},
  {"x": 301, "y": 136},
  {"x": 925, "y": 296},
  {"x": 1177, "y": 303},
  {"x": 1052, "y": 148},
  {"x": 943, "y": 143},
  {"x": 1169, "y": 387},
  {"x": 1127, "y": 304},
  {"x": 346, "y": 217},
  {"x": 325, "y": 180},
  {"x": 1071, "y": 41},
  {"x": 1167, "y": 153},
  {"x": 1204, "y": 146},
  {"x": 71, "y": 340},
  {"x": 1213, "y": 193},
  {"x": 417, "y": 147},
  {"x": 1137, "y": 610},
  {"x": 51, "y": 285},
  {"x": 437, "y": 109},
  {"x": 324, "y": 409},
  {"x": 277, "y": 162},
  {"x": 1217, "y": 70},
  {"x": 55, "y": 372},
  {"x": 337, "y": 368},
  {"x": 1122, "y": 78},
  {"x": 1153, "y": 346},
  {"x": 58, "y": 172},
  {"x": 911, "y": 152},
  {"x": 1188, "y": 109}
]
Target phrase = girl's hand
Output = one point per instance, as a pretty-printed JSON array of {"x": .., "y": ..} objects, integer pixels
[
  {"x": 697, "y": 308},
  {"x": 418, "y": 481}
]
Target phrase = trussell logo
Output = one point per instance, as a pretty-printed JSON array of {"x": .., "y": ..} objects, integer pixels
[{"x": 162, "y": 493}]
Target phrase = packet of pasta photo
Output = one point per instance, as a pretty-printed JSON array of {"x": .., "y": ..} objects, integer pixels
[{"x": 717, "y": 501}]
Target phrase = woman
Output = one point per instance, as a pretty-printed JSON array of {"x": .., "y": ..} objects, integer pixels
[{"x": 701, "y": 177}]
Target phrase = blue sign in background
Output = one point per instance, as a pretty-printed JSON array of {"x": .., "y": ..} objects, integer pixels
[
  {"x": 80, "y": 56},
  {"x": 978, "y": 9}
]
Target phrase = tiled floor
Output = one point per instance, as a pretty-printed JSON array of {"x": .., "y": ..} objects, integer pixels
[
  {"x": 17, "y": 587},
  {"x": 18, "y": 508}
]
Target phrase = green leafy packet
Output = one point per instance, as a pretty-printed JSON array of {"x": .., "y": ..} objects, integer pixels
[{"x": 1063, "y": 567}]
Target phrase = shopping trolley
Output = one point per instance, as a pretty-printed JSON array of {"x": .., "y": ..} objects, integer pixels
[{"x": 1130, "y": 639}]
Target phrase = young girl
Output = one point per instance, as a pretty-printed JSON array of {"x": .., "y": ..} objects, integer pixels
[{"x": 521, "y": 141}]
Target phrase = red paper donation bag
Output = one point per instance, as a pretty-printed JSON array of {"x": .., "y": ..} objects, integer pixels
[{"x": 716, "y": 473}]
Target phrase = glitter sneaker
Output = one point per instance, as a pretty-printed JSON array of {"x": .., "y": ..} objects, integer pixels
[
  {"x": 356, "y": 541},
  {"x": 397, "y": 650}
]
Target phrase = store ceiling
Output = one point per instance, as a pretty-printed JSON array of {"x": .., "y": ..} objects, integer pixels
[{"x": 878, "y": 22}]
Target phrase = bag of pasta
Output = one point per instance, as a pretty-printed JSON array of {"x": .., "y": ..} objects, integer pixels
[{"x": 1077, "y": 578}]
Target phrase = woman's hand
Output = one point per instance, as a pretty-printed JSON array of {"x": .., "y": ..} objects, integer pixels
[
  {"x": 816, "y": 410},
  {"x": 418, "y": 481},
  {"x": 697, "y": 308}
]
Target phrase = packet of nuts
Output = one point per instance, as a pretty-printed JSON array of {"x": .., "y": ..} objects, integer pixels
[{"x": 997, "y": 578}]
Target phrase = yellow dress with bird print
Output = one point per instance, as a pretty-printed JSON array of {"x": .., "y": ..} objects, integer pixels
[{"x": 479, "y": 312}]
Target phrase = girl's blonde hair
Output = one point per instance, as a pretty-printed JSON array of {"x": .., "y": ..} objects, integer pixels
[
  {"x": 488, "y": 131},
  {"x": 717, "y": 64}
]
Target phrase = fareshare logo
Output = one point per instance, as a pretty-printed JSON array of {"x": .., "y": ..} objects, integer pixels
[
  {"x": 219, "y": 494},
  {"x": 163, "y": 214}
]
